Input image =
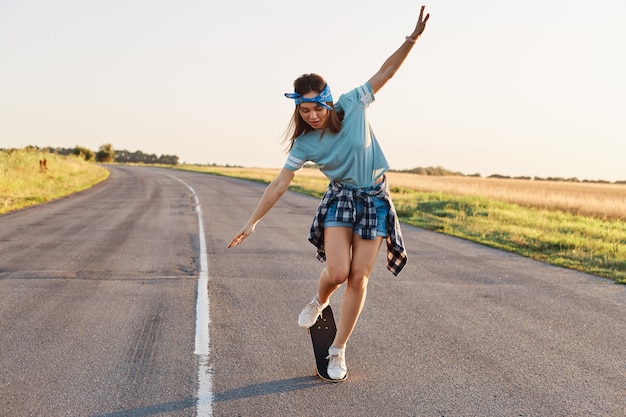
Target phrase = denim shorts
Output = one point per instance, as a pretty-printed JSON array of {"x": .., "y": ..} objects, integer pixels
[{"x": 382, "y": 211}]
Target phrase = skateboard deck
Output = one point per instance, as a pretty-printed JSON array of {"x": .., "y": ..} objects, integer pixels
[{"x": 322, "y": 335}]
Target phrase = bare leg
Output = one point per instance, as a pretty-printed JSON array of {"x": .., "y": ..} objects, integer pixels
[
  {"x": 364, "y": 254},
  {"x": 337, "y": 242}
]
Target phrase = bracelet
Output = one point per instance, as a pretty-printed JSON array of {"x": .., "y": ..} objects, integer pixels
[{"x": 410, "y": 39}]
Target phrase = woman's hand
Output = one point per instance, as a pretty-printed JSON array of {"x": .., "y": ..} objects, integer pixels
[
  {"x": 242, "y": 235},
  {"x": 421, "y": 24}
]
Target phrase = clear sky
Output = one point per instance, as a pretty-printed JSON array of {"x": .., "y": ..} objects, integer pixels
[{"x": 532, "y": 88}]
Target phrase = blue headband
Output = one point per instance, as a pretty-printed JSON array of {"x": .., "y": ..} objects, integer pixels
[{"x": 321, "y": 99}]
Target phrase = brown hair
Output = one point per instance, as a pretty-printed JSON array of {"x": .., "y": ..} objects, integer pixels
[{"x": 297, "y": 126}]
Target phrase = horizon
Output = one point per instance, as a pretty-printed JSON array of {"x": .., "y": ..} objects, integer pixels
[{"x": 449, "y": 172}]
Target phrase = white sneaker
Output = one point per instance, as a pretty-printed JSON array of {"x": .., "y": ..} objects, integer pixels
[
  {"x": 337, "y": 369},
  {"x": 310, "y": 313}
]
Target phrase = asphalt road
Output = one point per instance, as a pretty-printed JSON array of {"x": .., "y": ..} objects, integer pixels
[{"x": 98, "y": 313}]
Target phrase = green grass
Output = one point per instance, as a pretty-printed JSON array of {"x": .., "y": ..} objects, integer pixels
[
  {"x": 583, "y": 243},
  {"x": 23, "y": 183},
  {"x": 572, "y": 241}
]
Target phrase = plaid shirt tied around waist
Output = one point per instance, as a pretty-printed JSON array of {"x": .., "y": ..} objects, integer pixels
[{"x": 346, "y": 198}]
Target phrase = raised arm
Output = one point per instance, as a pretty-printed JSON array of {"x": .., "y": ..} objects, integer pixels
[
  {"x": 271, "y": 195},
  {"x": 391, "y": 65}
]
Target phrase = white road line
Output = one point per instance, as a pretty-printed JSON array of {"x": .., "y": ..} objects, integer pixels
[{"x": 204, "y": 399}]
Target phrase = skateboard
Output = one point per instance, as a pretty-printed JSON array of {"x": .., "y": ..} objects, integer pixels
[{"x": 322, "y": 335}]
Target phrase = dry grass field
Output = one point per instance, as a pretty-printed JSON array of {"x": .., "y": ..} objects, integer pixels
[{"x": 605, "y": 201}]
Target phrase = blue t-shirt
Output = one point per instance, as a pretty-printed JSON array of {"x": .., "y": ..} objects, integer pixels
[{"x": 352, "y": 156}]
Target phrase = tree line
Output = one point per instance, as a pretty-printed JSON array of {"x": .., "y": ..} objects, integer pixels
[{"x": 107, "y": 154}]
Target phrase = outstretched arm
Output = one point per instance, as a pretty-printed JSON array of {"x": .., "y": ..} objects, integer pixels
[
  {"x": 394, "y": 62},
  {"x": 271, "y": 195}
]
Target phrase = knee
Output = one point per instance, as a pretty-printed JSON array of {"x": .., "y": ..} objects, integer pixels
[
  {"x": 358, "y": 279},
  {"x": 337, "y": 275}
]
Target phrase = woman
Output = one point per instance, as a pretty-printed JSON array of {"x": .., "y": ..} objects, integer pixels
[{"x": 356, "y": 213}]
